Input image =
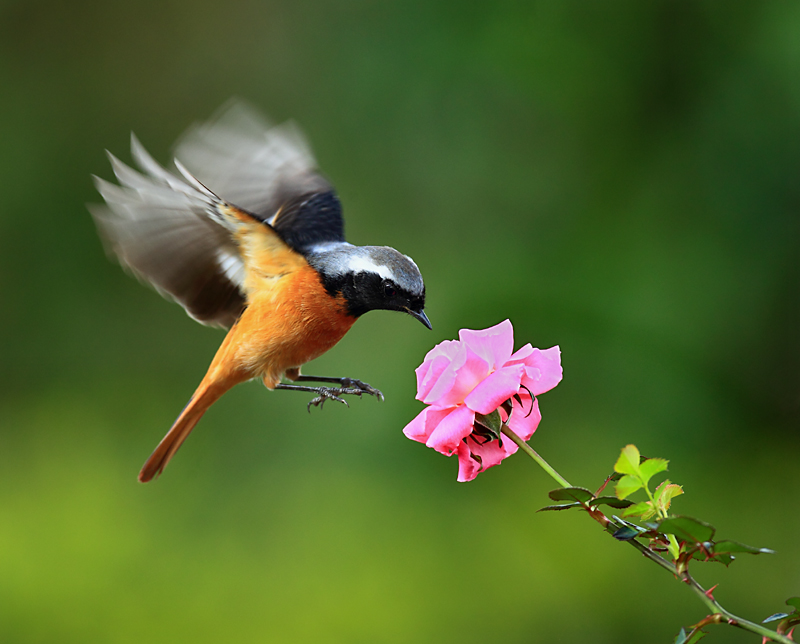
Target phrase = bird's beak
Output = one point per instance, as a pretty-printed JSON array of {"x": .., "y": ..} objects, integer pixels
[{"x": 420, "y": 315}]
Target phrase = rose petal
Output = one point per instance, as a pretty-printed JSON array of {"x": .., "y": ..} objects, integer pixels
[
  {"x": 524, "y": 420},
  {"x": 490, "y": 453},
  {"x": 425, "y": 422},
  {"x": 494, "y": 390},
  {"x": 520, "y": 355},
  {"x": 451, "y": 429},
  {"x": 428, "y": 373},
  {"x": 468, "y": 467},
  {"x": 464, "y": 372},
  {"x": 543, "y": 370},
  {"x": 494, "y": 344}
]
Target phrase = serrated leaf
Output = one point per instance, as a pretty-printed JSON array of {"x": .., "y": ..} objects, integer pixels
[
  {"x": 613, "y": 501},
  {"x": 687, "y": 529},
  {"x": 775, "y": 617},
  {"x": 628, "y": 461},
  {"x": 724, "y": 558},
  {"x": 726, "y": 546},
  {"x": 638, "y": 509},
  {"x": 571, "y": 494},
  {"x": 793, "y": 601},
  {"x": 565, "y": 506},
  {"x": 626, "y": 533},
  {"x": 652, "y": 466},
  {"x": 665, "y": 493},
  {"x": 627, "y": 485}
]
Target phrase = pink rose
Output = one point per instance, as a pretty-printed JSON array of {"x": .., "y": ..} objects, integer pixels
[{"x": 478, "y": 373}]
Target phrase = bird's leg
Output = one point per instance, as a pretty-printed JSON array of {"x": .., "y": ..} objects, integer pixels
[
  {"x": 347, "y": 386},
  {"x": 344, "y": 383}
]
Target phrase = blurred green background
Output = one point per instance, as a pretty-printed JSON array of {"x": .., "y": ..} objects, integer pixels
[{"x": 623, "y": 181}]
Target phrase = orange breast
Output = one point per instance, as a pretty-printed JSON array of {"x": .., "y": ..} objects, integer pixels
[{"x": 285, "y": 325}]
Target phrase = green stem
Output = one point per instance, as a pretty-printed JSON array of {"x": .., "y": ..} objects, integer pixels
[
  {"x": 539, "y": 460},
  {"x": 712, "y": 604}
]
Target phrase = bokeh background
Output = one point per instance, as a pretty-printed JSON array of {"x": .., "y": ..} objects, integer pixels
[{"x": 621, "y": 180}]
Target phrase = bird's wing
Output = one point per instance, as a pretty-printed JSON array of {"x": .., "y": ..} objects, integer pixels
[
  {"x": 176, "y": 234},
  {"x": 158, "y": 227},
  {"x": 267, "y": 171}
]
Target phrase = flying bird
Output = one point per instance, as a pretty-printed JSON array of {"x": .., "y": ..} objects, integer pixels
[{"x": 245, "y": 233}]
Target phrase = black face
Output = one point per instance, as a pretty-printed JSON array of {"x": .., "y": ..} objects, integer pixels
[{"x": 366, "y": 291}]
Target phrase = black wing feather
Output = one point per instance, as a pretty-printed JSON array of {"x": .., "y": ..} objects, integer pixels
[{"x": 309, "y": 220}]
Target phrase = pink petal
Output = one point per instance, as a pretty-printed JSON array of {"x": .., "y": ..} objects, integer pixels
[
  {"x": 490, "y": 453},
  {"x": 543, "y": 370},
  {"x": 464, "y": 372},
  {"x": 426, "y": 421},
  {"x": 520, "y": 355},
  {"x": 494, "y": 390},
  {"x": 524, "y": 420},
  {"x": 428, "y": 373},
  {"x": 468, "y": 467},
  {"x": 494, "y": 344},
  {"x": 451, "y": 429}
]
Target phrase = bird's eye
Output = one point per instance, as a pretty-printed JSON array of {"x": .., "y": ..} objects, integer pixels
[{"x": 388, "y": 290}]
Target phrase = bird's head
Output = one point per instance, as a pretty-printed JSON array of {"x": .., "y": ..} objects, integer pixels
[{"x": 372, "y": 277}]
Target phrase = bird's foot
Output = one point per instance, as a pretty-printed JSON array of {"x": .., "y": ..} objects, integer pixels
[
  {"x": 336, "y": 393},
  {"x": 362, "y": 387},
  {"x": 347, "y": 387}
]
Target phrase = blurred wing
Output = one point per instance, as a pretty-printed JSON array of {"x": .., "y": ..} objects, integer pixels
[
  {"x": 159, "y": 227},
  {"x": 268, "y": 171}
]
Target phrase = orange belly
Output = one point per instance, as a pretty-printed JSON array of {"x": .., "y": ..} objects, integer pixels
[{"x": 284, "y": 326}]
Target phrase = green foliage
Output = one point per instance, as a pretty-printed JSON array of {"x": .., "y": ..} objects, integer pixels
[
  {"x": 611, "y": 501},
  {"x": 687, "y": 529},
  {"x": 579, "y": 494},
  {"x": 664, "y": 494},
  {"x": 695, "y": 635}
]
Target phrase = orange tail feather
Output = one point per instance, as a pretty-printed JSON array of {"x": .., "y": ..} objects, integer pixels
[{"x": 205, "y": 396}]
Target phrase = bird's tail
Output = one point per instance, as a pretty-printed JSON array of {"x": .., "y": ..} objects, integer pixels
[{"x": 205, "y": 396}]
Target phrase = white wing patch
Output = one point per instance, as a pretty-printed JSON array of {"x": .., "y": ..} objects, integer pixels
[{"x": 232, "y": 266}]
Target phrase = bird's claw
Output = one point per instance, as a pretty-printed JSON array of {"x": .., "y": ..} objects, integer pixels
[
  {"x": 328, "y": 393},
  {"x": 350, "y": 387},
  {"x": 361, "y": 387}
]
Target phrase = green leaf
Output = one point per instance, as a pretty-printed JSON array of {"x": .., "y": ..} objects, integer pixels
[
  {"x": 571, "y": 494},
  {"x": 727, "y": 546},
  {"x": 627, "y": 485},
  {"x": 626, "y": 533},
  {"x": 651, "y": 467},
  {"x": 775, "y": 617},
  {"x": 492, "y": 421},
  {"x": 665, "y": 493},
  {"x": 565, "y": 506},
  {"x": 706, "y": 555},
  {"x": 793, "y": 601},
  {"x": 613, "y": 501},
  {"x": 639, "y": 509},
  {"x": 687, "y": 529},
  {"x": 628, "y": 461},
  {"x": 696, "y": 636}
]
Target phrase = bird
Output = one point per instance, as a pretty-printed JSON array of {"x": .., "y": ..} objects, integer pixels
[{"x": 246, "y": 233}]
